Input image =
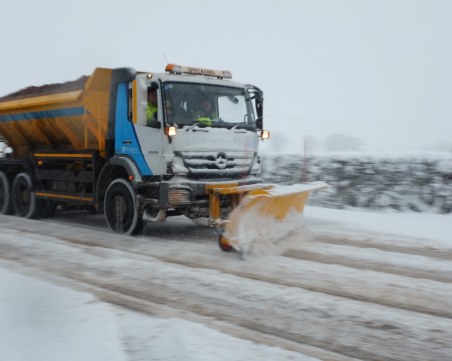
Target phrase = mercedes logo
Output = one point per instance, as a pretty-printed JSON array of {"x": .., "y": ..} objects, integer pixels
[{"x": 221, "y": 161}]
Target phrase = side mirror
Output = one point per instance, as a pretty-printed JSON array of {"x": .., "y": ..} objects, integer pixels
[
  {"x": 260, "y": 112},
  {"x": 259, "y": 123},
  {"x": 257, "y": 96}
]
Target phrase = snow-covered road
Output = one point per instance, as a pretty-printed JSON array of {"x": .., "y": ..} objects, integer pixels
[{"x": 346, "y": 292}]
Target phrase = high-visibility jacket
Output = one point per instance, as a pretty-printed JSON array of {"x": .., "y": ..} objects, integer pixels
[
  {"x": 205, "y": 121},
  {"x": 151, "y": 112}
]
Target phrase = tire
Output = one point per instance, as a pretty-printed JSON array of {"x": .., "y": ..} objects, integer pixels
[
  {"x": 23, "y": 198},
  {"x": 5, "y": 194},
  {"x": 120, "y": 210}
]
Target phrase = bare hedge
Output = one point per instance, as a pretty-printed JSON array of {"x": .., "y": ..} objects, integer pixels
[{"x": 422, "y": 184}]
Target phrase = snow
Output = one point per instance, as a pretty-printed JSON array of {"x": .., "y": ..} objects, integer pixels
[
  {"x": 432, "y": 229},
  {"x": 258, "y": 217},
  {"x": 42, "y": 321},
  {"x": 253, "y": 232}
]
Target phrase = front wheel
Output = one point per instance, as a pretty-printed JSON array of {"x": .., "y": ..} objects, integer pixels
[{"x": 121, "y": 213}]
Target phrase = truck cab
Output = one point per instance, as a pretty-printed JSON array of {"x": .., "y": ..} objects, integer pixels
[{"x": 206, "y": 132}]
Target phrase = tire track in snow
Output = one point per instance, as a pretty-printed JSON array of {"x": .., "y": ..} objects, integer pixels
[
  {"x": 347, "y": 327},
  {"x": 391, "y": 290},
  {"x": 160, "y": 310},
  {"x": 364, "y": 258},
  {"x": 389, "y": 244},
  {"x": 339, "y": 325}
]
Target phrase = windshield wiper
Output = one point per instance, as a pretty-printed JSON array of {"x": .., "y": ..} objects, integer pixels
[
  {"x": 243, "y": 125},
  {"x": 192, "y": 126}
]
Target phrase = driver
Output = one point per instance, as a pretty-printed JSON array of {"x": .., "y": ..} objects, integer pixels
[{"x": 205, "y": 114}]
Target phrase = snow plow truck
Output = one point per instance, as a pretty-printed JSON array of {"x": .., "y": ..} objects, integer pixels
[{"x": 91, "y": 143}]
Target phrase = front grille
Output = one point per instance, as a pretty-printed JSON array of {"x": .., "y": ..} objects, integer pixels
[{"x": 218, "y": 164}]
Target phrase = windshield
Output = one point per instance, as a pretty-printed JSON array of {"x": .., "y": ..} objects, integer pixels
[{"x": 189, "y": 104}]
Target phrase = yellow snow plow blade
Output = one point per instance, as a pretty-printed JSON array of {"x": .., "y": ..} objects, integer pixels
[{"x": 262, "y": 211}]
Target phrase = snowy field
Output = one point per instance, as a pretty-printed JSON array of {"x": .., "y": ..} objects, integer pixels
[{"x": 41, "y": 320}]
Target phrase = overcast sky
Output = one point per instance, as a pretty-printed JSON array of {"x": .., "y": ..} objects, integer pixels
[{"x": 378, "y": 70}]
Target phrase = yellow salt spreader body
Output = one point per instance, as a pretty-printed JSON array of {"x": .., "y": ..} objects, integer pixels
[{"x": 260, "y": 211}]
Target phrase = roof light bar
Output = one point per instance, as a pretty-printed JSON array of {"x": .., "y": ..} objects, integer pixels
[{"x": 180, "y": 69}]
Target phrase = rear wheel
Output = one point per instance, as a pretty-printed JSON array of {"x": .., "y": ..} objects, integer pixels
[
  {"x": 5, "y": 194},
  {"x": 23, "y": 200},
  {"x": 121, "y": 213}
]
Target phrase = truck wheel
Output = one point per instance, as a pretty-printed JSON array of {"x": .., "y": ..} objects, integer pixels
[
  {"x": 23, "y": 199},
  {"x": 121, "y": 213},
  {"x": 5, "y": 195}
]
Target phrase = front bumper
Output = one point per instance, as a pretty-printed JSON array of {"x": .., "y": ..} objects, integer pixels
[{"x": 194, "y": 196}]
